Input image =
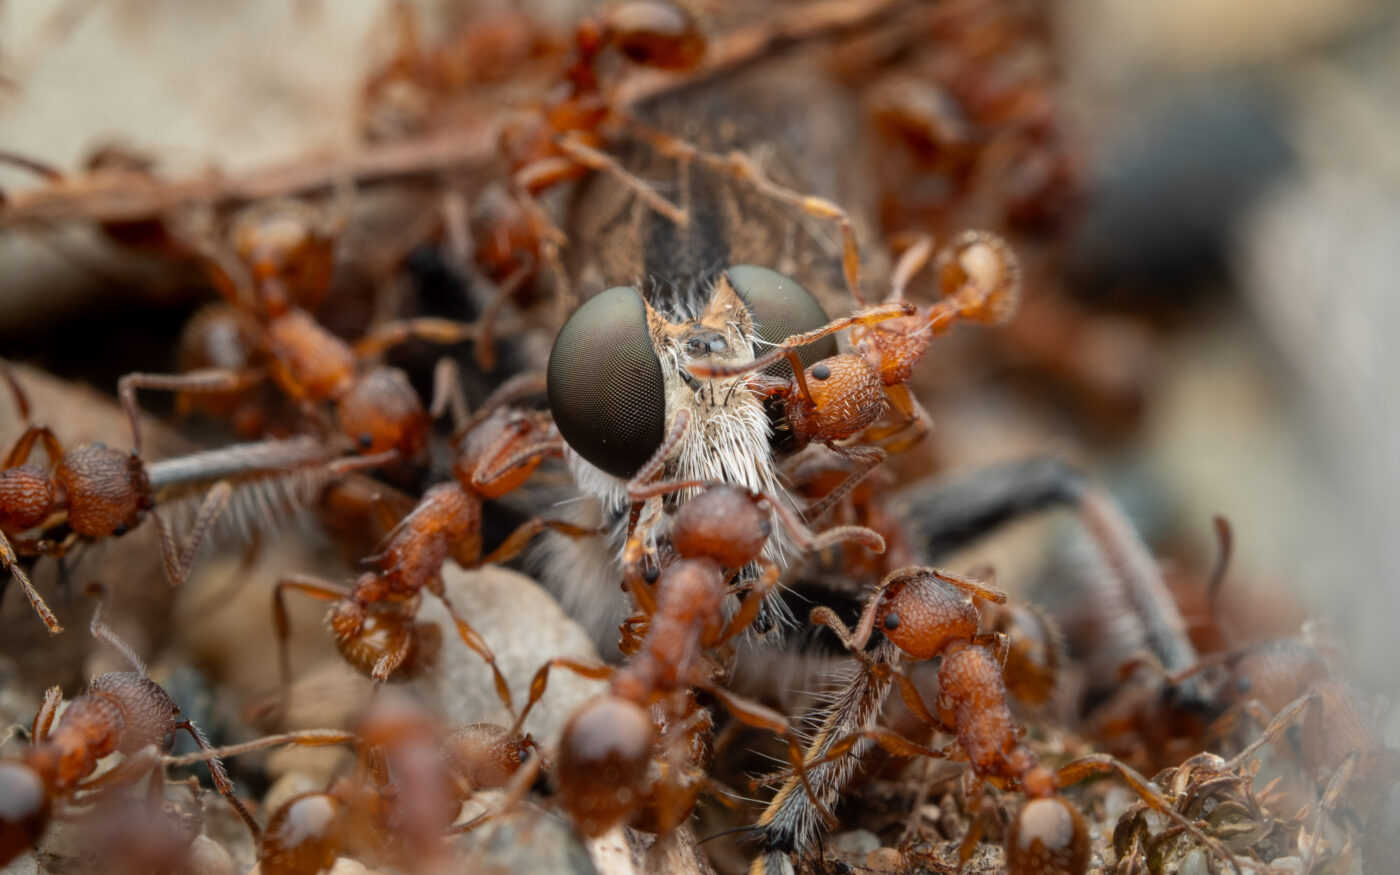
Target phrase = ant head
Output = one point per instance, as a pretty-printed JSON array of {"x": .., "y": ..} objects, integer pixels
[
  {"x": 488, "y": 755},
  {"x": 1047, "y": 835},
  {"x": 24, "y": 809},
  {"x": 603, "y": 759},
  {"x": 496, "y": 457},
  {"x": 921, "y": 613},
  {"x": 723, "y": 523},
  {"x": 287, "y": 251},
  {"x": 382, "y": 412}
]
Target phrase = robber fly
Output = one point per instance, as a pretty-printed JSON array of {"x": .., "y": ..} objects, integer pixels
[{"x": 741, "y": 273}]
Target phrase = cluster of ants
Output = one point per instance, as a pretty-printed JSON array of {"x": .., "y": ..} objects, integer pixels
[{"x": 703, "y": 553}]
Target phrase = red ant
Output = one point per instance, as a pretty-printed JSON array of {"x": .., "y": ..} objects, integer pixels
[
  {"x": 101, "y": 492},
  {"x": 373, "y": 620},
  {"x": 922, "y": 614},
  {"x": 282, "y": 266},
  {"x": 412, "y": 776},
  {"x": 563, "y": 143},
  {"x": 121, "y": 712},
  {"x": 609, "y": 742},
  {"x": 843, "y": 396}
]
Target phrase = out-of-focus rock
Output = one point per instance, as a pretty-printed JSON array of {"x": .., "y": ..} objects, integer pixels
[
  {"x": 525, "y": 840},
  {"x": 524, "y": 627}
]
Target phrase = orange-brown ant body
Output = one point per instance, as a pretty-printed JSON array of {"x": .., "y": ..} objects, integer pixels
[
  {"x": 101, "y": 493},
  {"x": 411, "y": 777},
  {"x": 373, "y": 621},
  {"x": 922, "y": 614},
  {"x": 120, "y": 712},
  {"x": 279, "y": 268},
  {"x": 649, "y": 714}
]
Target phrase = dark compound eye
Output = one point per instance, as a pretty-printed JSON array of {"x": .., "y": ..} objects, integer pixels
[
  {"x": 604, "y": 383},
  {"x": 781, "y": 307}
]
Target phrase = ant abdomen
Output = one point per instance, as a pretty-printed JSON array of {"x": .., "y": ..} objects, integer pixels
[
  {"x": 604, "y": 757},
  {"x": 724, "y": 524},
  {"x": 107, "y": 490},
  {"x": 1047, "y": 837},
  {"x": 24, "y": 809},
  {"x": 303, "y": 837}
]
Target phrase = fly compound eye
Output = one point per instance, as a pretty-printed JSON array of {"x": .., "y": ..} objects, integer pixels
[
  {"x": 781, "y": 307},
  {"x": 604, "y": 383}
]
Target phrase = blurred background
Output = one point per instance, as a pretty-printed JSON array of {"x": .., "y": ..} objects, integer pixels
[{"x": 1236, "y": 240}]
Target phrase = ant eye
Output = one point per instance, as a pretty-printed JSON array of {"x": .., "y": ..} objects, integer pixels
[
  {"x": 604, "y": 383},
  {"x": 120, "y": 530},
  {"x": 892, "y": 620},
  {"x": 781, "y": 307},
  {"x": 366, "y": 440}
]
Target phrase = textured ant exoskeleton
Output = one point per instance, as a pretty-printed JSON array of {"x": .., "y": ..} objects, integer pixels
[
  {"x": 121, "y": 712},
  {"x": 411, "y": 777},
  {"x": 101, "y": 493},
  {"x": 281, "y": 268},
  {"x": 634, "y": 751},
  {"x": 843, "y": 396},
  {"x": 373, "y": 621},
  {"x": 922, "y": 614}
]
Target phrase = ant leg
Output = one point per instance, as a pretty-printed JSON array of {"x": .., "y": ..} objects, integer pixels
[
  {"x": 429, "y": 328},
  {"x": 518, "y": 539},
  {"x": 515, "y": 793},
  {"x": 211, "y": 380},
  {"x": 753, "y": 602},
  {"x": 447, "y": 393},
  {"x": 104, "y": 633},
  {"x": 888, "y": 740},
  {"x": 601, "y": 162},
  {"x": 221, "y": 779},
  {"x": 592, "y": 670},
  {"x": 871, "y": 316},
  {"x": 809, "y": 542},
  {"x": 25, "y": 445},
  {"x": 306, "y": 584},
  {"x": 1099, "y": 764},
  {"x": 486, "y": 324},
  {"x": 11, "y": 562},
  {"x": 473, "y": 639},
  {"x": 909, "y": 416},
  {"x": 912, "y": 260},
  {"x": 179, "y": 559},
  {"x": 1335, "y": 785},
  {"x": 43, "y": 721},
  {"x": 741, "y": 167},
  {"x": 299, "y": 738},
  {"x": 653, "y": 467},
  {"x": 866, "y": 459}
]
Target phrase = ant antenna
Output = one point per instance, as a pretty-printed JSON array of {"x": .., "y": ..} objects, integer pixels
[{"x": 102, "y": 632}]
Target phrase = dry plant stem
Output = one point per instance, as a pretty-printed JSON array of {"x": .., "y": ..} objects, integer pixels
[{"x": 461, "y": 150}]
